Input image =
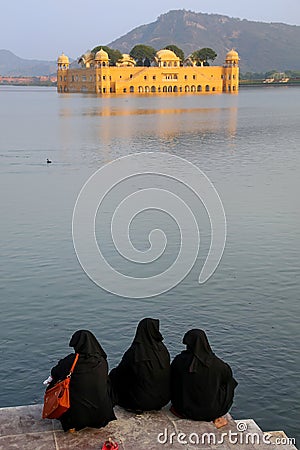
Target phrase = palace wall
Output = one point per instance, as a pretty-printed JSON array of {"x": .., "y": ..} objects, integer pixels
[{"x": 150, "y": 80}]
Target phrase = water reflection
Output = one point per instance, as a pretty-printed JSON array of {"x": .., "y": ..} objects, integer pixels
[
  {"x": 144, "y": 111},
  {"x": 127, "y": 122}
]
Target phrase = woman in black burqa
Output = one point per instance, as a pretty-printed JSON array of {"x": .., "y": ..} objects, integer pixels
[
  {"x": 202, "y": 385},
  {"x": 91, "y": 405},
  {"x": 141, "y": 382}
]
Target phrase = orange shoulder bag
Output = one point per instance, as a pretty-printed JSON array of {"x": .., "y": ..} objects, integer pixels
[{"x": 57, "y": 398}]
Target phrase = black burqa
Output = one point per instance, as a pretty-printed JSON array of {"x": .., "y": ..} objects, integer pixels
[
  {"x": 91, "y": 405},
  {"x": 202, "y": 385},
  {"x": 141, "y": 382}
]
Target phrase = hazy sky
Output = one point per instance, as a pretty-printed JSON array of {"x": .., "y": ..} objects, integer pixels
[{"x": 42, "y": 29}]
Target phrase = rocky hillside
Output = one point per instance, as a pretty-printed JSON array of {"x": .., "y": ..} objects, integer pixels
[
  {"x": 262, "y": 46},
  {"x": 12, "y": 65}
]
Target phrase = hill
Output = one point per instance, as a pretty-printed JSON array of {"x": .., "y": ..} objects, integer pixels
[
  {"x": 12, "y": 65},
  {"x": 262, "y": 46}
]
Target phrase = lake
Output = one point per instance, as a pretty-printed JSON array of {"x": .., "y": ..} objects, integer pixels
[{"x": 248, "y": 145}]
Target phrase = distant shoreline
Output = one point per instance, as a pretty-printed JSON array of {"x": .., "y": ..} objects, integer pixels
[
  {"x": 29, "y": 84},
  {"x": 267, "y": 85}
]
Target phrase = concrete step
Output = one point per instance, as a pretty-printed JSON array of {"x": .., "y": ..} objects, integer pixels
[
  {"x": 253, "y": 435},
  {"x": 280, "y": 440},
  {"x": 22, "y": 428}
]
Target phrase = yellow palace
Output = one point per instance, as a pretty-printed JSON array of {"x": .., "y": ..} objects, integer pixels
[{"x": 167, "y": 76}]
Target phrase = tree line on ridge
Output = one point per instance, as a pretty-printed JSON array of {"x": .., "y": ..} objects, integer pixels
[{"x": 144, "y": 55}]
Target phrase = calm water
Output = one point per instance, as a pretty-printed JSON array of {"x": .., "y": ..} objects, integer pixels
[{"x": 248, "y": 145}]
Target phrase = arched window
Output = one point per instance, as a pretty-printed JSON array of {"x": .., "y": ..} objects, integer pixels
[
  {"x": 207, "y": 88},
  {"x": 199, "y": 88},
  {"x": 175, "y": 89},
  {"x": 170, "y": 89},
  {"x": 193, "y": 88},
  {"x": 187, "y": 89},
  {"x": 131, "y": 89},
  {"x": 213, "y": 89},
  {"x": 153, "y": 89},
  {"x": 141, "y": 89},
  {"x": 165, "y": 89},
  {"x": 147, "y": 89}
]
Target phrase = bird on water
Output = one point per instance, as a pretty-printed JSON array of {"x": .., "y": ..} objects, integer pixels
[{"x": 49, "y": 161}]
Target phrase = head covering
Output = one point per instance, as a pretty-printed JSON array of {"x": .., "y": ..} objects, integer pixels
[
  {"x": 85, "y": 343},
  {"x": 147, "y": 332},
  {"x": 197, "y": 343},
  {"x": 147, "y": 342}
]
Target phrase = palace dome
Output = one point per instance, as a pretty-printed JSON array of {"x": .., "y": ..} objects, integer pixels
[
  {"x": 166, "y": 55},
  {"x": 63, "y": 59},
  {"x": 126, "y": 61},
  {"x": 101, "y": 55},
  {"x": 232, "y": 55}
]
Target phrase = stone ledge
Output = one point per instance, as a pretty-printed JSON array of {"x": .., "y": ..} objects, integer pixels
[{"x": 23, "y": 428}]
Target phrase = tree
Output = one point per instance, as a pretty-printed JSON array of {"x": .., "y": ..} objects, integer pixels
[
  {"x": 143, "y": 54},
  {"x": 114, "y": 55},
  {"x": 202, "y": 56},
  {"x": 178, "y": 52}
]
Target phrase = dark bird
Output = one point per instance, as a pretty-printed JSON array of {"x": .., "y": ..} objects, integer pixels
[{"x": 49, "y": 161}]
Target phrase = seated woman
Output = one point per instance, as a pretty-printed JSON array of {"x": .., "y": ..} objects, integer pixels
[
  {"x": 202, "y": 385},
  {"x": 141, "y": 381},
  {"x": 91, "y": 405}
]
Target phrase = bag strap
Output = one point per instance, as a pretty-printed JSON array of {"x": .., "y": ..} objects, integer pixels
[{"x": 73, "y": 365}]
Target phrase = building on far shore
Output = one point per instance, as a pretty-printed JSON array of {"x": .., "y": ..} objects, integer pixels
[
  {"x": 47, "y": 80},
  {"x": 167, "y": 76}
]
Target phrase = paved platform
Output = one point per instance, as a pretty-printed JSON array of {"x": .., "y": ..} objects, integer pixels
[{"x": 21, "y": 428}]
